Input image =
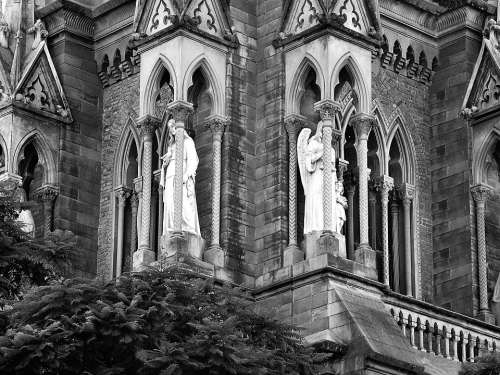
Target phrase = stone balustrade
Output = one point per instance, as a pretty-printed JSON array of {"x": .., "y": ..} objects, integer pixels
[{"x": 440, "y": 332}]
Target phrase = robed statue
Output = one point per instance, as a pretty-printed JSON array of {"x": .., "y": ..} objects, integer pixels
[
  {"x": 310, "y": 157},
  {"x": 190, "y": 222}
]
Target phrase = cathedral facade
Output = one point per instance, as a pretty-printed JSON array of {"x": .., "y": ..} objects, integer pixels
[{"x": 166, "y": 130}]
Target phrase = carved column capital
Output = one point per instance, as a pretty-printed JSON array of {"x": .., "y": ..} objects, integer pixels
[
  {"x": 327, "y": 109},
  {"x": 481, "y": 193},
  {"x": 122, "y": 193},
  {"x": 384, "y": 184},
  {"x": 217, "y": 125},
  {"x": 341, "y": 169},
  {"x": 407, "y": 193},
  {"x": 293, "y": 123},
  {"x": 147, "y": 125},
  {"x": 46, "y": 193},
  {"x": 134, "y": 200},
  {"x": 362, "y": 124},
  {"x": 180, "y": 111}
]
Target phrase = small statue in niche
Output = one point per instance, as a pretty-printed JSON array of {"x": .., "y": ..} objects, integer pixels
[
  {"x": 190, "y": 222},
  {"x": 310, "y": 157}
]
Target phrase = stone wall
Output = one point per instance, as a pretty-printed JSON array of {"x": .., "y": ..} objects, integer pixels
[{"x": 454, "y": 272}]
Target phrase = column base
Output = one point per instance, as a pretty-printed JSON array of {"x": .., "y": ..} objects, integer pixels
[
  {"x": 487, "y": 316},
  {"x": 292, "y": 255},
  {"x": 365, "y": 255},
  {"x": 215, "y": 255},
  {"x": 185, "y": 261},
  {"x": 142, "y": 259}
]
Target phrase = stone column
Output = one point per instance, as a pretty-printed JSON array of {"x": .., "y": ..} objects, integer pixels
[
  {"x": 395, "y": 242},
  {"x": 134, "y": 203},
  {"x": 214, "y": 254},
  {"x": 327, "y": 109},
  {"x": 384, "y": 184},
  {"x": 292, "y": 253},
  {"x": 372, "y": 204},
  {"x": 351, "y": 189},
  {"x": 180, "y": 111},
  {"x": 362, "y": 124},
  {"x": 480, "y": 194},
  {"x": 47, "y": 195},
  {"x": 122, "y": 194},
  {"x": 407, "y": 195},
  {"x": 144, "y": 255}
]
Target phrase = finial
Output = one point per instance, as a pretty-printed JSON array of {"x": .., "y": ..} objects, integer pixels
[{"x": 40, "y": 33}]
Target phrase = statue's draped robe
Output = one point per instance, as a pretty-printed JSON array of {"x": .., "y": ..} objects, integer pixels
[
  {"x": 190, "y": 222},
  {"x": 310, "y": 155}
]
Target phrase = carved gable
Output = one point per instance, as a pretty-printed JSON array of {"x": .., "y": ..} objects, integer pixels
[
  {"x": 303, "y": 15},
  {"x": 484, "y": 87},
  {"x": 354, "y": 15},
  {"x": 208, "y": 16},
  {"x": 40, "y": 88},
  {"x": 161, "y": 16}
]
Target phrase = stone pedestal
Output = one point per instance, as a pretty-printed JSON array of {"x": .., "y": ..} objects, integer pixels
[
  {"x": 366, "y": 256},
  {"x": 215, "y": 255},
  {"x": 317, "y": 243},
  {"x": 292, "y": 255},
  {"x": 487, "y": 316},
  {"x": 187, "y": 244},
  {"x": 142, "y": 259}
]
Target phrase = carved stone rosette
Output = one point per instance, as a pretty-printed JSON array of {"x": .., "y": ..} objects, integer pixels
[
  {"x": 384, "y": 184},
  {"x": 362, "y": 124},
  {"x": 292, "y": 254},
  {"x": 480, "y": 194},
  {"x": 217, "y": 125},
  {"x": 47, "y": 194},
  {"x": 180, "y": 111}
]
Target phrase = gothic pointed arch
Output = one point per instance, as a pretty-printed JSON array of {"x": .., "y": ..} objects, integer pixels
[
  {"x": 45, "y": 157},
  {"x": 296, "y": 89},
  {"x": 487, "y": 159},
  {"x": 348, "y": 63},
  {"x": 4, "y": 156},
  {"x": 399, "y": 134},
  {"x": 213, "y": 86},
  {"x": 162, "y": 72},
  {"x": 129, "y": 139}
]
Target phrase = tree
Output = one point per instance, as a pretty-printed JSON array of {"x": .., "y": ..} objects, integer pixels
[
  {"x": 26, "y": 261},
  {"x": 170, "y": 322},
  {"x": 486, "y": 365}
]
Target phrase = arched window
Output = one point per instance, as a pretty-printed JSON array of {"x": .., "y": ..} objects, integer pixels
[
  {"x": 117, "y": 60},
  {"x": 410, "y": 56},
  {"x": 163, "y": 95},
  {"x": 398, "y": 54},
  {"x": 105, "y": 64}
]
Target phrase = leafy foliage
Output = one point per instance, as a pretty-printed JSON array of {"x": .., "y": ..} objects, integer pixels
[
  {"x": 485, "y": 365},
  {"x": 168, "y": 322},
  {"x": 25, "y": 261}
]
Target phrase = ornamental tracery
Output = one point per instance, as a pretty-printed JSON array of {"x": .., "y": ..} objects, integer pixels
[
  {"x": 308, "y": 16},
  {"x": 161, "y": 18},
  {"x": 204, "y": 17},
  {"x": 350, "y": 14}
]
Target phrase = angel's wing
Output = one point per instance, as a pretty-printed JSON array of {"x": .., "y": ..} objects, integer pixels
[{"x": 302, "y": 151}]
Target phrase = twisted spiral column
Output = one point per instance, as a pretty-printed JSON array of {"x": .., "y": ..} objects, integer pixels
[
  {"x": 351, "y": 189},
  {"x": 147, "y": 126},
  {"x": 362, "y": 124},
  {"x": 134, "y": 202},
  {"x": 217, "y": 125},
  {"x": 327, "y": 110},
  {"x": 180, "y": 111},
  {"x": 47, "y": 194},
  {"x": 292, "y": 253},
  {"x": 395, "y": 242},
  {"x": 384, "y": 184},
  {"x": 480, "y": 194}
]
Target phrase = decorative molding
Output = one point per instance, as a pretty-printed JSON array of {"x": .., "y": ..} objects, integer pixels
[
  {"x": 70, "y": 21},
  {"x": 481, "y": 193},
  {"x": 46, "y": 193},
  {"x": 362, "y": 124},
  {"x": 180, "y": 111}
]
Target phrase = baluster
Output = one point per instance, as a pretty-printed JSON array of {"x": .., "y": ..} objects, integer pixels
[
  {"x": 455, "y": 344},
  {"x": 471, "y": 348},
  {"x": 412, "y": 326},
  {"x": 438, "y": 339},
  {"x": 463, "y": 347},
  {"x": 429, "y": 337},
  {"x": 420, "y": 335},
  {"x": 446, "y": 338}
]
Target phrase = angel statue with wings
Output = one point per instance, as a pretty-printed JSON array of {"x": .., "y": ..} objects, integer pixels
[{"x": 310, "y": 158}]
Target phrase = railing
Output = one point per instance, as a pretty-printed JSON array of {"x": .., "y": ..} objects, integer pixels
[{"x": 442, "y": 332}]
